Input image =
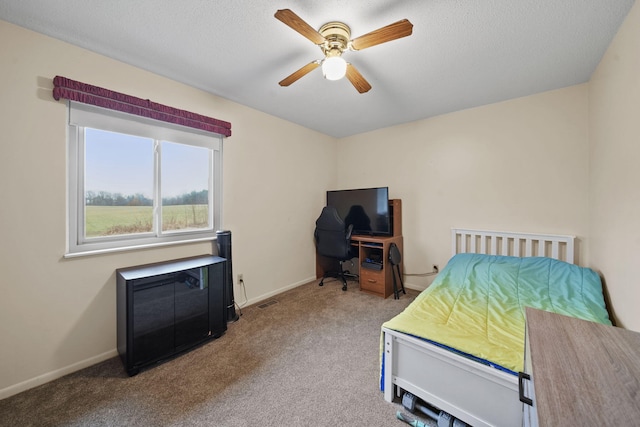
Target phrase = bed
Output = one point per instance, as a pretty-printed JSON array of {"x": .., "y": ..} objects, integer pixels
[{"x": 460, "y": 344}]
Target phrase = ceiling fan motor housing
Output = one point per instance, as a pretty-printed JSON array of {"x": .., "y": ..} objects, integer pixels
[{"x": 337, "y": 36}]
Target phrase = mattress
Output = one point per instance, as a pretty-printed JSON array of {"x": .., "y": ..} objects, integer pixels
[{"x": 475, "y": 306}]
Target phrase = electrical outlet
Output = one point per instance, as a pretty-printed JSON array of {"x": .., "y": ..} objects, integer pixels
[
  {"x": 240, "y": 279},
  {"x": 436, "y": 269}
]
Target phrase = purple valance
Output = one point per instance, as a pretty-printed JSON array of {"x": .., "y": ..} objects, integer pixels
[{"x": 87, "y": 94}]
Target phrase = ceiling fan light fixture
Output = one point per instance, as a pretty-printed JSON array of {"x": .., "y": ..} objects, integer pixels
[{"x": 334, "y": 68}]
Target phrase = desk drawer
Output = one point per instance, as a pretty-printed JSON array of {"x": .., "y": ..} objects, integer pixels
[{"x": 372, "y": 280}]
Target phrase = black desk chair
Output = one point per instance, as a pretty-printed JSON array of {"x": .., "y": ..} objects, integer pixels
[
  {"x": 333, "y": 240},
  {"x": 395, "y": 258}
]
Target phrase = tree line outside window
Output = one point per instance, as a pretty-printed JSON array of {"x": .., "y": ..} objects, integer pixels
[{"x": 105, "y": 198}]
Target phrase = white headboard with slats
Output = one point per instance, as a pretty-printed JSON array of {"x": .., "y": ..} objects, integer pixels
[{"x": 514, "y": 244}]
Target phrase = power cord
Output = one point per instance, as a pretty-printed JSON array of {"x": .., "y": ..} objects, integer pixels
[
  {"x": 239, "y": 306},
  {"x": 244, "y": 292},
  {"x": 435, "y": 271}
]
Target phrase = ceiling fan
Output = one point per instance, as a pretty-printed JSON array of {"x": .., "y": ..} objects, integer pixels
[{"x": 334, "y": 38}]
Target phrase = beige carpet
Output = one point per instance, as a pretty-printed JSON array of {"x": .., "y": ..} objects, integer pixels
[{"x": 310, "y": 357}]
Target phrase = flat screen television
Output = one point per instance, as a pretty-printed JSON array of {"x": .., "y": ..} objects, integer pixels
[{"x": 366, "y": 208}]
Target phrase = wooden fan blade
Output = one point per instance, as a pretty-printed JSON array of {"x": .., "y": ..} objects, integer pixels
[
  {"x": 357, "y": 80},
  {"x": 300, "y": 73},
  {"x": 295, "y": 22},
  {"x": 393, "y": 31}
]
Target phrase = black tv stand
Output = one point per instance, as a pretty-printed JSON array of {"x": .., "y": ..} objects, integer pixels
[{"x": 167, "y": 308}]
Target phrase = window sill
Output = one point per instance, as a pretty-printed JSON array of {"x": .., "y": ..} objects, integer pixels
[{"x": 83, "y": 253}]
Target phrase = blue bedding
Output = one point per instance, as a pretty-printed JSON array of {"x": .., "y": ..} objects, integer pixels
[{"x": 475, "y": 306}]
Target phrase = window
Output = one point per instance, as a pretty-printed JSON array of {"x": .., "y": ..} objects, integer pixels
[{"x": 136, "y": 182}]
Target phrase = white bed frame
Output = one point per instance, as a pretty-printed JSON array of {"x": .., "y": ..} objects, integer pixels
[{"x": 470, "y": 391}]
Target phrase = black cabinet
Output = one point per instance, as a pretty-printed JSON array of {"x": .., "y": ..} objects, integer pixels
[{"x": 169, "y": 307}]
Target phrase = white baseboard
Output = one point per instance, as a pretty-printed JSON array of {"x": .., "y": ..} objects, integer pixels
[
  {"x": 58, "y": 373},
  {"x": 302, "y": 282},
  {"x": 415, "y": 287},
  {"x": 273, "y": 293}
]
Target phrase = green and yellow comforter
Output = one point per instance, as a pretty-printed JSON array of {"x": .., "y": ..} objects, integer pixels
[{"x": 475, "y": 306}]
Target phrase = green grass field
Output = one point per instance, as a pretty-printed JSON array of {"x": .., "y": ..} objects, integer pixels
[{"x": 113, "y": 220}]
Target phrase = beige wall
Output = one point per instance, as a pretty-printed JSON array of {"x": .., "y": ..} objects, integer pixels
[
  {"x": 58, "y": 315},
  {"x": 614, "y": 118},
  {"x": 558, "y": 162},
  {"x": 519, "y": 165}
]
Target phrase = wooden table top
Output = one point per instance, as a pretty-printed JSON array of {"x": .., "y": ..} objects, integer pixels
[{"x": 584, "y": 373}]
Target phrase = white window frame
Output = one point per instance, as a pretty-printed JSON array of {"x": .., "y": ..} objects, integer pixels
[{"x": 83, "y": 115}]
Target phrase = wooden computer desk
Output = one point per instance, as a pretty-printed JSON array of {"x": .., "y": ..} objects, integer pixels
[{"x": 379, "y": 279}]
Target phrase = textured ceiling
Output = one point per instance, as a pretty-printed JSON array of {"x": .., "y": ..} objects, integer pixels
[{"x": 462, "y": 53}]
